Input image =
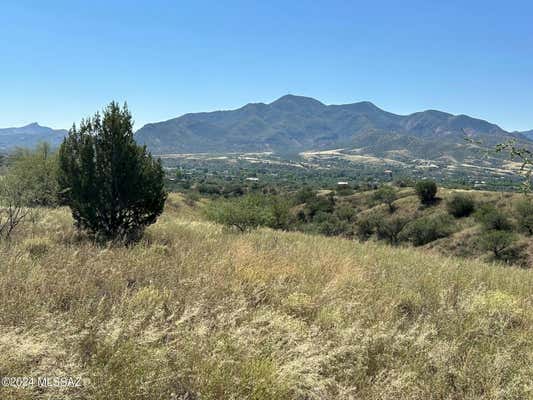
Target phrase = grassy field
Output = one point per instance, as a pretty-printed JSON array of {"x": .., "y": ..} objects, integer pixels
[{"x": 195, "y": 311}]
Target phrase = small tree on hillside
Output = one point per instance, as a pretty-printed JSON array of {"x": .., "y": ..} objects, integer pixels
[
  {"x": 390, "y": 228},
  {"x": 13, "y": 201},
  {"x": 524, "y": 213},
  {"x": 492, "y": 218},
  {"x": 244, "y": 213},
  {"x": 426, "y": 191},
  {"x": 497, "y": 242},
  {"x": 113, "y": 186},
  {"x": 460, "y": 205},
  {"x": 36, "y": 170},
  {"x": 386, "y": 195}
]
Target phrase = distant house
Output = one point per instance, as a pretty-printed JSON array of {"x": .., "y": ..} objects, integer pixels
[
  {"x": 342, "y": 183},
  {"x": 252, "y": 179}
]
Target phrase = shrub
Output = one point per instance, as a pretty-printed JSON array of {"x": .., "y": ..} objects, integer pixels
[
  {"x": 427, "y": 229},
  {"x": 191, "y": 198},
  {"x": 386, "y": 195},
  {"x": 497, "y": 242},
  {"x": 345, "y": 213},
  {"x": 460, "y": 205},
  {"x": 492, "y": 218},
  {"x": 281, "y": 216},
  {"x": 318, "y": 204},
  {"x": 13, "y": 201},
  {"x": 244, "y": 213},
  {"x": 365, "y": 227},
  {"x": 524, "y": 214},
  {"x": 389, "y": 228},
  {"x": 331, "y": 225},
  {"x": 36, "y": 170},
  {"x": 344, "y": 191},
  {"x": 113, "y": 186},
  {"x": 209, "y": 189},
  {"x": 304, "y": 195},
  {"x": 426, "y": 191}
]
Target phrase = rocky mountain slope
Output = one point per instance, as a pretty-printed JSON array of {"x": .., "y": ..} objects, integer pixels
[{"x": 294, "y": 124}]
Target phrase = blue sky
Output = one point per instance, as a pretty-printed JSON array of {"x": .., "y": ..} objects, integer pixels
[{"x": 62, "y": 60}]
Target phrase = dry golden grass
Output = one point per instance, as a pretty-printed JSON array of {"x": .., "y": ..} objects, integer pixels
[{"x": 195, "y": 311}]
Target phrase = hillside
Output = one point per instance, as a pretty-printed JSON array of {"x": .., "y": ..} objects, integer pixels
[
  {"x": 528, "y": 134},
  {"x": 197, "y": 312},
  {"x": 29, "y": 136},
  {"x": 294, "y": 124}
]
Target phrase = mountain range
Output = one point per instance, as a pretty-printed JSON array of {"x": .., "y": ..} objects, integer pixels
[
  {"x": 29, "y": 136},
  {"x": 528, "y": 134},
  {"x": 294, "y": 124}
]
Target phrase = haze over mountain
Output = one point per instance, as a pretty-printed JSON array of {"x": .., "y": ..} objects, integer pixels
[
  {"x": 528, "y": 134},
  {"x": 29, "y": 136},
  {"x": 295, "y": 123}
]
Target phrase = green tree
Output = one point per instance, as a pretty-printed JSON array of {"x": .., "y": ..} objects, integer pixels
[
  {"x": 428, "y": 229},
  {"x": 244, "y": 213},
  {"x": 426, "y": 191},
  {"x": 13, "y": 201},
  {"x": 304, "y": 195},
  {"x": 385, "y": 195},
  {"x": 280, "y": 210},
  {"x": 493, "y": 219},
  {"x": 36, "y": 170},
  {"x": 113, "y": 186},
  {"x": 390, "y": 228},
  {"x": 460, "y": 205},
  {"x": 365, "y": 226},
  {"x": 497, "y": 242},
  {"x": 524, "y": 214}
]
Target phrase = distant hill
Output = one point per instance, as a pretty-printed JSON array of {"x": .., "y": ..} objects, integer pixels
[
  {"x": 295, "y": 123},
  {"x": 29, "y": 136},
  {"x": 528, "y": 134}
]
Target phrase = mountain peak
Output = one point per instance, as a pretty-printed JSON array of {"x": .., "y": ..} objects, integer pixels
[
  {"x": 297, "y": 123},
  {"x": 29, "y": 135},
  {"x": 297, "y": 100}
]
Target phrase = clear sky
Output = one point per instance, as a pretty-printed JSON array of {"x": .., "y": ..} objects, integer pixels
[{"x": 62, "y": 60}]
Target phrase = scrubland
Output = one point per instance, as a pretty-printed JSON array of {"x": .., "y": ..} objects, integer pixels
[{"x": 197, "y": 311}]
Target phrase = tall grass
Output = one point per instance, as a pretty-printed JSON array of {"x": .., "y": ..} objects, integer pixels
[{"x": 198, "y": 312}]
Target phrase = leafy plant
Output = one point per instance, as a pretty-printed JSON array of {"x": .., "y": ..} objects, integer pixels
[
  {"x": 493, "y": 219},
  {"x": 244, "y": 213},
  {"x": 460, "y": 205},
  {"x": 13, "y": 201},
  {"x": 36, "y": 171},
  {"x": 113, "y": 186},
  {"x": 524, "y": 214},
  {"x": 426, "y": 191},
  {"x": 497, "y": 242},
  {"x": 386, "y": 195},
  {"x": 390, "y": 228},
  {"x": 428, "y": 229},
  {"x": 365, "y": 227}
]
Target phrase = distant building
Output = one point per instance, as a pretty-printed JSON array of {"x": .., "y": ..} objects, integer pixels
[
  {"x": 252, "y": 179},
  {"x": 342, "y": 183}
]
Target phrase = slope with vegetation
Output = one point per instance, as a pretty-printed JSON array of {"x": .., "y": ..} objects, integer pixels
[
  {"x": 482, "y": 225},
  {"x": 198, "y": 311},
  {"x": 258, "y": 303}
]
